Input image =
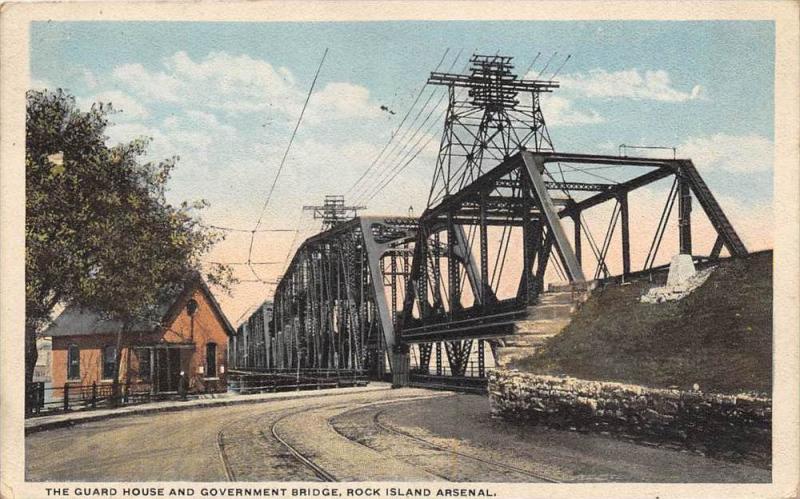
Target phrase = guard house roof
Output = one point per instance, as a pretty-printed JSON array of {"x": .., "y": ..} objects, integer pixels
[{"x": 79, "y": 321}]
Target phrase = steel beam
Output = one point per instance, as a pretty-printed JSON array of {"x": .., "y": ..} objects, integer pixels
[
  {"x": 374, "y": 253},
  {"x": 484, "y": 252},
  {"x": 626, "y": 243},
  {"x": 712, "y": 209},
  {"x": 526, "y": 284},
  {"x": 576, "y": 222},
  {"x": 534, "y": 165},
  {"x": 425, "y": 357},
  {"x": 603, "y": 159},
  {"x": 717, "y": 248},
  {"x": 453, "y": 272},
  {"x": 684, "y": 216},
  {"x": 464, "y": 253},
  {"x": 578, "y": 186},
  {"x": 641, "y": 181}
]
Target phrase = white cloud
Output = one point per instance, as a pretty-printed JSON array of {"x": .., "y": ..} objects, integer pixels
[
  {"x": 89, "y": 79},
  {"x": 230, "y": 117},
  {"x": 129, "y": 107},
  {"x": 558, "y": 112},
  {"x": 205, "y": 121},
  {"x": 231, "y": 83},
  {"x": 733, "y": 153},
  {"x": 631, "y": 84},
  {"x": 240, "y": 84},
  {"x": 192, "y": 135},
  {"x": 343, "y": 101},
  {"x": 152, "y": 85}
]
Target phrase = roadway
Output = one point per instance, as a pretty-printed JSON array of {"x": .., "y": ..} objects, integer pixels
[{"x": 400, "y": 435}]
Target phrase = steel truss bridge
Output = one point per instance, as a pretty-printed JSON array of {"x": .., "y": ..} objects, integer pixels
[
  {"x": 506, "y": 215},
  {"x": 360, "y": 295}
]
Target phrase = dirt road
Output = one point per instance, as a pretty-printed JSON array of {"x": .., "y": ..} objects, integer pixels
[{"x": 404, "y": 435}]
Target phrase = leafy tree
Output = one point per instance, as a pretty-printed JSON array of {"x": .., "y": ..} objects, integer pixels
[{"x": 99, "y": 230}]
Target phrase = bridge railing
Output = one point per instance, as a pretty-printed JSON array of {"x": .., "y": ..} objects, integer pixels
[{"x": 279, "y": 380}]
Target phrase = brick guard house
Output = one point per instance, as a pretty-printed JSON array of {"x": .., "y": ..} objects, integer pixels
[{"x": 192, "y": 338}]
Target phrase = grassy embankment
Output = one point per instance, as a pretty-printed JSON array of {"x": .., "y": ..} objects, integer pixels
[{"x": 719, "y": 337}]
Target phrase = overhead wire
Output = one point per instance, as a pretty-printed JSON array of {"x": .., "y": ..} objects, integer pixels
[
  {"x": 231, "y": 229},
  {"x": 393, "y": 166},
  {"x": 398, "y": 167},
  {"x": 584, "y": 170},
  {"x": 547, "y": 64},
  {"x": 286, "y": 153},
  {"x": 397, "y": 172},
  {"x": 210, "y": 262},
  {"x": 397, "y": 130},
  {"x": 282, "y": 163},
  {"x": 361, "y": 192},
  {"x": 555, "y": 73},
  {"x": 531, "y": 64}
]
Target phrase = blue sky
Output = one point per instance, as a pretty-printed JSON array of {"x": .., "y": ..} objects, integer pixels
[{"x": 225, "y": 96}]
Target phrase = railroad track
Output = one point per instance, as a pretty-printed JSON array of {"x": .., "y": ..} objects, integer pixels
[
  {"x": 321, "y": 473},
  {"x": 230, "y": 473},
  {"x": 226, "y": 465},
  {"x": 395, "y": 431},
  {"x": 318, "y": 470},
  {"x": 273, "y": 433}
]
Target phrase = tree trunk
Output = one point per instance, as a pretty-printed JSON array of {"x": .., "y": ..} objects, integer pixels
[
  {"x": 123, "y": 331},
  {"x": 31, "y": 353}
]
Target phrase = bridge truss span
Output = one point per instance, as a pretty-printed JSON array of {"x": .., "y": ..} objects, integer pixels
[
  {"x": 336, "y": 305},
  {"x": 511, "y": 219}
]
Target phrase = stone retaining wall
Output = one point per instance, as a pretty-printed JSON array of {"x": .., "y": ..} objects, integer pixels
[{"x": 733, "y": 427}]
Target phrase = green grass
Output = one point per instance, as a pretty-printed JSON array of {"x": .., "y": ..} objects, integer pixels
[{"x": 719, "y": 337}]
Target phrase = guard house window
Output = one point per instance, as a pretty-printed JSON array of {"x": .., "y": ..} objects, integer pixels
[
  {"x": 109, "y": 362},
  {"x": 211, "y": 360},
  {"x": 73, "y": 362}
]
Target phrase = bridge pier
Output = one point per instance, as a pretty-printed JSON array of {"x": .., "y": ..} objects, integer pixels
[{"x": 401, "y": 365}]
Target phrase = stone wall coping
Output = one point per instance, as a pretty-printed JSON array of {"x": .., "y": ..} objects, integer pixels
[{"x": 594, "y": 387}]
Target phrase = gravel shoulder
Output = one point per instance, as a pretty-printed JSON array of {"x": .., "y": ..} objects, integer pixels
[{"x": 465, "y": 421}]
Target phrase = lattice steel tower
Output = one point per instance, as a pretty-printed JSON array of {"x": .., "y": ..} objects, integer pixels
[
  {"x": 333, "y": 211},
  {"x": 499, "y": 116}
]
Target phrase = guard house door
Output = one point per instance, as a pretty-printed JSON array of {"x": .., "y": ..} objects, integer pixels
[{"x": 168, "y": 361}]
